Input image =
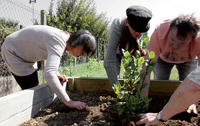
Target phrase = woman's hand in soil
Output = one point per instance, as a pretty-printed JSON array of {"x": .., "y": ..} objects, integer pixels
[
  {"x": 75, "y": 104},
  {"x": 149, "y": 119},
  {"x": 192, "y": 108}
]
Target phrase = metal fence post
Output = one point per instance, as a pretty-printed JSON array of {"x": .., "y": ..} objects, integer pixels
[{"x": 43, "y": 17}]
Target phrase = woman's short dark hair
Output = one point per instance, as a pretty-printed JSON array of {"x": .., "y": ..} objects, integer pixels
[
  {"x": 185, "y": 24},
  {"x": 85, "y": 38}
]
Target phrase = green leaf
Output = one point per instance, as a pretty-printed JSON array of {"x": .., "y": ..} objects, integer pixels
[
  {"x": 151, "y": 55},
  {"x": 120, "y": 110},
  {"x": 117, "y": 88},
  {"x": 126, "y": 54},
  {"x": 141, "y": 61},
  {"x": 146, "y": 39},
  {"x": 138, "y": 54},
  {"x": 56, "y": 19}
]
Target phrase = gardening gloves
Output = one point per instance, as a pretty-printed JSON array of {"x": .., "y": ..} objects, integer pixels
[
  {"x": 75, "y": 104},
  {"x": 62, "y": 78}
]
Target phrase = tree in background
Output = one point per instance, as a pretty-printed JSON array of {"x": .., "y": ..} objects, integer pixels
[{"x": 72, "y": 15}]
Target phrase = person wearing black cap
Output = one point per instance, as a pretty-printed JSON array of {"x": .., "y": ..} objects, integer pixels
[{"x": 123, "y": 35}]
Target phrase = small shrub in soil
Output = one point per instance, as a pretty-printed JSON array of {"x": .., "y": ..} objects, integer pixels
[
  {"x": 100, "y": 111},
  {"x": 130, "y": 102}
]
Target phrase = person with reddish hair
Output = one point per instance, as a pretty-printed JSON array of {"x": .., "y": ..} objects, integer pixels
[{"x": 176, "y": 43}]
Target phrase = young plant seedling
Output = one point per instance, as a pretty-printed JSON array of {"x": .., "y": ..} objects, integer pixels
[{"x": 136, "y": 68}]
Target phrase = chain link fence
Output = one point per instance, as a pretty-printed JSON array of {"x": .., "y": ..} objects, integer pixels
[
  {"x": 17, "y": 11},
  {"x": 14, "y": 16}
]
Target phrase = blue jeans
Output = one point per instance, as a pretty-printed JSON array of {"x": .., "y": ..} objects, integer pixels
[{"x": 163, "y": 69}]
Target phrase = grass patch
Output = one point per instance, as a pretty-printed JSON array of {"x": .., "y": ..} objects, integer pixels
[
  {"x": 96, "y": 69},
  {"x": 91, "y": 69}
]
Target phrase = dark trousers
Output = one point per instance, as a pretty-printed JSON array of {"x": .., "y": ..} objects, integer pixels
[
  {"x": 163, "y": 69},
  {"x": 26, "y": 82}
]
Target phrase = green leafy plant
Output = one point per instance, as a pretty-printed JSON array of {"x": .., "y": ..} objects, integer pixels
[{"x": 128, "y": 92}]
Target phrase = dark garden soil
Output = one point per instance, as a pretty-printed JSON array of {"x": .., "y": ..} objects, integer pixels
[{"x": 100, "y": 111}]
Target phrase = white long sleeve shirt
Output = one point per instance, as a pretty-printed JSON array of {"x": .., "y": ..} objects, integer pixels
[{"x": 22, "y": 49}]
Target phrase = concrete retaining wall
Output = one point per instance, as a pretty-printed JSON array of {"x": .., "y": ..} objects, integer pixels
[
  {"x": 23, "y": 105},
  {"x": 8, "y": 85}
]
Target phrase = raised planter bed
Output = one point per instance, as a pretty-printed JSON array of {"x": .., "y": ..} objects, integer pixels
[
  {"x": 22, "y": 106},
  {"x": 100, "y": 111},
  {"x": 8, "y": 85}
]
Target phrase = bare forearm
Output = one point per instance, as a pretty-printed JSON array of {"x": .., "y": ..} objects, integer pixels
[
  {"x": 145, "y": 91},
  {"x": 185, "y": 95}
]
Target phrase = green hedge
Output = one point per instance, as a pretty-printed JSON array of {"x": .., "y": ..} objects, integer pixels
[{"x": 6, "y": 28}]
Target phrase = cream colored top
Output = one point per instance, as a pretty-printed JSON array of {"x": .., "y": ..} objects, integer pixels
[{"x": 22, "y": 49}]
